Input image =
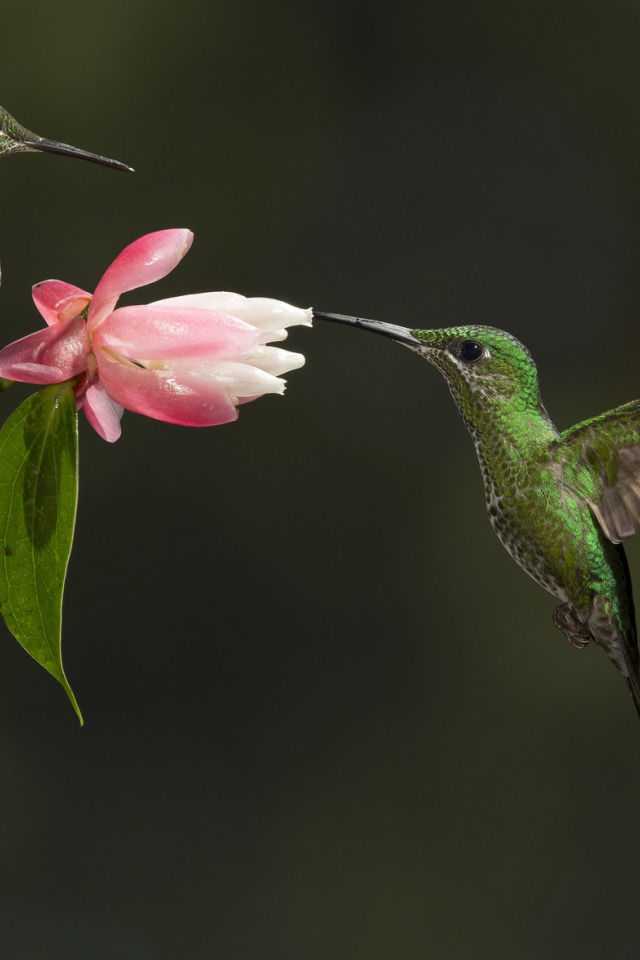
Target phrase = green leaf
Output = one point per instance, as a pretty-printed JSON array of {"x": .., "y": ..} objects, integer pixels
[
  {"x": 5, "y": 384},
  {"x": 38, "y": 497}
]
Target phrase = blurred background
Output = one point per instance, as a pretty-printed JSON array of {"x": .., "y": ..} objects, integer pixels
[{"x": 326, "y": 714}]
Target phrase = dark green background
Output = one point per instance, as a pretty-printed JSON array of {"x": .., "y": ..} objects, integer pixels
[{"x": 326, "y": 715}]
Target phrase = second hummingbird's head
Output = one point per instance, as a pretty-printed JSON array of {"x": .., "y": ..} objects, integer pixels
[{"x": 14, "y": 138}]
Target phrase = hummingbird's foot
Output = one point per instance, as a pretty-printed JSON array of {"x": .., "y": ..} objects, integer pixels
[{"x": 576, "y": 632}]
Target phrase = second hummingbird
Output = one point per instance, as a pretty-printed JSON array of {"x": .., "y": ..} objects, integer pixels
[
  {"x": 14, "y": 138},
  {"x": 560, "y": 502}
]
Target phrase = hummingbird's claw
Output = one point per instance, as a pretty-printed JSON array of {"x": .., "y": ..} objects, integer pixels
[{"x": 566, "y": 619}]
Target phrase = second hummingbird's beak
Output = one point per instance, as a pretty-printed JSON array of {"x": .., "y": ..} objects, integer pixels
[
  {"x": 399, "y": 334},
  {"x": 52, "y": 146}
]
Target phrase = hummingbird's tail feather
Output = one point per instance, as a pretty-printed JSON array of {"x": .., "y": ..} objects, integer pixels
[
  {"x": 632, "y": 672},
  {"x": 633, "y": 684},
  {"x": 627, "y": 640},
  {"x": 624, "y": 655},
  {"x": 608, "y": 633}
]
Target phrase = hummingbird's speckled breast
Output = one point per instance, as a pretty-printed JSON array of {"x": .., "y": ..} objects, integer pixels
[{"x": 549, "y": 531}]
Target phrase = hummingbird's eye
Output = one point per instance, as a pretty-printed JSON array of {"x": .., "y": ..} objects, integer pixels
[{"x": 470, "y": 350}]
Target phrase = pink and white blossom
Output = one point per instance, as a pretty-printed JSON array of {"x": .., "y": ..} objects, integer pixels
[{"x": 189, "y": 360}]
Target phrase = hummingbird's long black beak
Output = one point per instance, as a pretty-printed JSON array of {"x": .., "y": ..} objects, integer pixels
[
  {"x": 399, "y": 334},
  {"x": 52, "y": 146}
]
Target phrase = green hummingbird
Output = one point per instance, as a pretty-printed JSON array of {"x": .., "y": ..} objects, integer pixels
[
  {"x": 15, "y": 138},
  {"x": 560, "y": 502}
]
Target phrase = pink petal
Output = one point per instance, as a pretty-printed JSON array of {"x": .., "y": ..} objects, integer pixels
[
  {"x": 51, "y": 297},
  {"x": 238, "y": 379},
  {"x": 186, "y": 398},
  {"x": 49, "y": 355},
  {"x": 144, "y": 261},
  {"x": 219, "y": 300},
  {"x": 274, "y": 360},
  {"x": 163, "y": 333},
  {"x": 268, "y": 314},
  {"x": 102, "y": 412}
]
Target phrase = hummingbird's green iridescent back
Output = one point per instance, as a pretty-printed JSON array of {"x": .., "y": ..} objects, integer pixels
[{"x": 561, "y": 503}]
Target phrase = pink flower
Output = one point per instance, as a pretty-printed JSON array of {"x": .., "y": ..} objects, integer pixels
[{"x": 189, "y": 360}]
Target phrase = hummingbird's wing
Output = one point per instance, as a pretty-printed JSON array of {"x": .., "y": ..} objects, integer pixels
[{"x": 601, "y": 462}]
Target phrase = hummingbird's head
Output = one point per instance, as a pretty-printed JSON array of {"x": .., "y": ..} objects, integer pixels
[{"x": 483, "y": 366}]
